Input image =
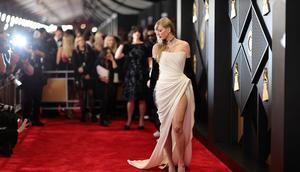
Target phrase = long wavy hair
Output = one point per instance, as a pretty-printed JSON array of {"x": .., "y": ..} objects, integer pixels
[
  {"x": 114, "y": 47},
  {"x": 98, "y": 41},
  {"x": 68, "y": 45},
  {"x": 165, "y": 23}
]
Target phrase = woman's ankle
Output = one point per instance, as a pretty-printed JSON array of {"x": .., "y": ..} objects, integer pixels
[{"x": 181, "y": 168}]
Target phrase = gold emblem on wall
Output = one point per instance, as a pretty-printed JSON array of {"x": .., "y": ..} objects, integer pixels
[
  {"x": 233, "y": 9},
  {"x": 206, "y": 17},
  {"x": 266, "y": 7},
  {"x": 202, "y": 40},
  {"x": 194, "y": 63},
  {"x": 265, "y": 96},
  {"x": 236, "y": 86}
]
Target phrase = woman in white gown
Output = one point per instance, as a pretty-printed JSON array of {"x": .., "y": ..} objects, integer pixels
[{"x": 175, "y": 102}]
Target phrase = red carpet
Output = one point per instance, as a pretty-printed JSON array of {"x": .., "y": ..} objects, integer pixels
[{"x": 68, "y": 145}]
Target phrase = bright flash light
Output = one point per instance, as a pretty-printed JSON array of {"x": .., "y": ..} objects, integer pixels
[
  {"x": 94, "y": 29},
  {"x": 83, "y": 26},
  {"x": 19, "y": 41}
]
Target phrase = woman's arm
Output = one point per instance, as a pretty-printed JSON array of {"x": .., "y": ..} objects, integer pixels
[
  {"x": 154, "y": 56},
  {"x": 153, "y": 68},
  {"x": 2, "y": 65},
  {"x": 119, "y": 52},
  {"x": 28, "y": 68},
  {"x": 58, "y": 55},
  {"x": 187, "y": 49},
  {"x": 155, "y": 51},
  {"x": 188, "y": 68}
]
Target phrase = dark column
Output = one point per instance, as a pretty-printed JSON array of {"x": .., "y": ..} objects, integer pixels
[
  {"x": 219, "y": 73},
  {"x": 286, "y": 88},
  {"x": 184, "y": 20}
]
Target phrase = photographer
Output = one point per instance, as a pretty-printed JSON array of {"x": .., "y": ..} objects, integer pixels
[
  {"x": 9, "y": 129},
  {"x": 49, "y": 47},
  {"x": 32, "y": 85}
]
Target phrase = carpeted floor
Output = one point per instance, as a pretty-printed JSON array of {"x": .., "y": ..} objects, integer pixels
[{"x": 64, "y": 145}]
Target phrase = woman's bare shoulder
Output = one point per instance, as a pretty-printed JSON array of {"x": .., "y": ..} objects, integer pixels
[
  {"x": 155, "y": 46},
  {"x": 155, "y": 50},
  {"x": 183, "y": 43},
  {"x": 184, "y": 46}
]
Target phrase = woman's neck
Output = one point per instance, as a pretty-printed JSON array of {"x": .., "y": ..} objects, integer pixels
[
  {"x": 136, "y": 41},
  {"x": 171, "y": 40}
]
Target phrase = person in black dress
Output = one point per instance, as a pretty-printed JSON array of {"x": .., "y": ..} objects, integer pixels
[
  {"x": 83, "y": 61},
  {"x": 106, "y": 60},
  {"x": 136, "y": 75}
]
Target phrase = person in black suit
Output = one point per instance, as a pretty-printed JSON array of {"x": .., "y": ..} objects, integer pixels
[
  {"x": 150, "y": 40},
  {"x": 9, "y": 130},
  {"x": 83, "y": 61}
]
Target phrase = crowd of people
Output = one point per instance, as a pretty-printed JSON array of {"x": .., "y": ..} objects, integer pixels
[{"x": 101, "y": 63}]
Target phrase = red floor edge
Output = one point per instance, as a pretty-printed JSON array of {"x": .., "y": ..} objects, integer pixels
[{"x": 64, "y": 145}]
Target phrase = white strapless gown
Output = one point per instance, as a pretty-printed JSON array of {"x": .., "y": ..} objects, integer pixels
[{"x": 170, "y": 87}]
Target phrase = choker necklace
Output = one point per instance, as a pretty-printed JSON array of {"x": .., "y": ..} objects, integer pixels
[{"x": 171, "y": 42}]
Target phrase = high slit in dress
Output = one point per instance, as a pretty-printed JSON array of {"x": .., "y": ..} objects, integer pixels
[{"x": 170, "y": 87}]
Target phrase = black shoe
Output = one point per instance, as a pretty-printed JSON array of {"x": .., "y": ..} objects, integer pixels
[
  {"x": 37, "y": 123},
  {"x": 104, "y": 123},
  {"x": 83, "y": 118},
  {"x": 6, "y": 150},
  {"x": 126, "y": 127},
  {"x": 141, "y": 127}
]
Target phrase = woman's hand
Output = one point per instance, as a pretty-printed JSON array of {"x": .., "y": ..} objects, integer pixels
[
  {"x": 80, "y": 70},
  {"x": 15, "y": 57},
  {"x": 104, "y": 79},
  {"x": 65, "y": 59},
  {"x": 25, "y": 124},
  {"x": 87, "y": 77}
]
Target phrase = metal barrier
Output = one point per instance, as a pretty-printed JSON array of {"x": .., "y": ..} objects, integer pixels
[
  {"x": 59, "y": 89},
  {"x": 10, "y": 94}
]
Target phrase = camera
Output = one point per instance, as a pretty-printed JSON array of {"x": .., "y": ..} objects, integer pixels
[{"x": 18, "y": 44}]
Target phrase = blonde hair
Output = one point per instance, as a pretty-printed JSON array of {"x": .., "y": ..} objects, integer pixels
[
  {"x": 98, "y": 40},
  {"x": 165, "y": 23},
  {"x": 68, "y": 45},
  {"x": 114, "y": 48}
]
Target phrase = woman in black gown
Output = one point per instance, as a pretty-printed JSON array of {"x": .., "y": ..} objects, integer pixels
[{"x": 135, "y": 55}]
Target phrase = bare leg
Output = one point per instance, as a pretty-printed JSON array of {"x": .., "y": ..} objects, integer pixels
[
  {"x": 177, "y": 124},
  {"x": 168, "y": 150},
  {"x": 130, "y": 109},
  {"x": 142, "y": 109}
]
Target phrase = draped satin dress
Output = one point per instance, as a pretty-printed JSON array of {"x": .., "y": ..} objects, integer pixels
[{"x": 172, "y": 84}]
